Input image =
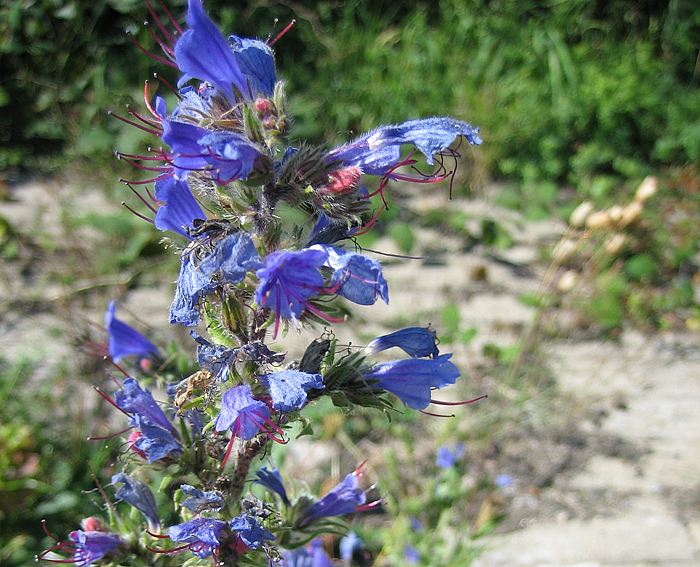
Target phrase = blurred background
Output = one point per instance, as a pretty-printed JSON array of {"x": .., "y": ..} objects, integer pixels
[{"x": 563, "y": 274}]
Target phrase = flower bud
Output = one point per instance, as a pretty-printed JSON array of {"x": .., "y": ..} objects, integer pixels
[
  {"x": 615, "y": 244},
  {"x": 647, "y": 189},
  {"x": 580, "y": 214},
  {"x": 567, "y": 281},
  {"x": 263, "y": 106},
  {"x": 92, "y": 524},
  {"x": 631, "y": 213},
  {"x": 564, "y": 251},
  {"x": 599, "y": 220}
]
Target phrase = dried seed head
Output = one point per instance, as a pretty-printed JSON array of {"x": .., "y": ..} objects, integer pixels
[
  {"x": 580, "y": 214},
  {"x": 567, "y": 281},
  {"x": 631, "y": 213},
  {"x": 599, "y": 220},
  {"x": 615, "y": 244},
  {"x": 564, "y": 251},
  {"x": 647, "y": 189}
]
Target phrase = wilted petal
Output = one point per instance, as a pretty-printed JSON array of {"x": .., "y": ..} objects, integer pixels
[
  {"x": 273, "y": 480},
  {"x": 139, "y": 496}
]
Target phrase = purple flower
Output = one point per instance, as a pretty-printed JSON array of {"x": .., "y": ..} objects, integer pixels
[
  {"x": 179, "y": 208},
  {"x": 257, "y": 63},
  {"x": 503, "y": 480},
  {"x": 272, "y": 480},
  {"x": 288, "y": 388},
  {"x": 91, "y": 546},
  {"x": 202, "y": 535},
  {"x": 379, "y": 150},
  {"x": 344, "y": 498},
  {"x": 198, "y": 500},
  {"x": 349, "y": 545},
  {"x": 155, "y": 436},
  {"x": 356, "y": 277},
  {"x": 204, "y": 53},
  {"x": 447, "y": 457},
  {"x": 411, "y": 555},
  {"x": 250, "y": 532},
  {"x": 414, "y": 341},
  {"x": 241, "y": 413},
  {"x": 217, "y": 359},
  {"x": 288, "y": 281},
  {"x": 312, "y": 555},
  {"x": 123, "y": 339},
  {"x": 231, "y": 258},
  {"x": 411, "y": 380},
  {"x": 139, "y": 496}
]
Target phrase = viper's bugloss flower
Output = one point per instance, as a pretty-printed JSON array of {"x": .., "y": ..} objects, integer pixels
[
  {"x": 203, "y": 53},
  {"x": 178, "y": 207},
  {"x": 312, "y": 555},
  {"x": 417, "y": 342},
  {"x": 289, "y": 280},
  {"x": 256, "y": 61},
  {"x": 125, "y": 340},
  {"x": 249, "y": 531},
  {"x": 447, "y": 457},
  {"x": 411, "y": 555},
  {"x": 199, "y": 500},
  {"x": 411, "y": 380},
  {"x": 376, "y": 152},
  {"x": 84, "y": 546},
  {"x": 217, "y": 359},
  {"x": 155, "y": 438},
  {"x": 343, "y": 498},
  {"x": 288, "y": 388},
  {"x": 200, "y": 534},
  {"x": 272, "y": 479},
  {"x": 242, "y": 413},
  {"x": 139, "y": 496},
  {"x": 231, "y": 258},
  {"x": 356, "y": 277},
  {"x": 349, "y": 545}
]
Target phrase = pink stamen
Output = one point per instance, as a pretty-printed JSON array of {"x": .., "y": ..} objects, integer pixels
[
  {"x": 369, "y": 506},
  {"x": 163, "y": 44},
  {"x": 107, "y": 398},
  {"x": 161, "y": 27},
  {"x": 436, "y": 414},
  {"x": 135, "y": 124},
  {"x": 228, "y": 451},
  {"x": 159, "y": 536},
  {"x": 143, "y": 200},
  {"x": 284, "y": 31},
  {"x": 139, "y": 215},
  {"x": 167, "y": 85},
  {"x": 170, "y": 16},
  {"x": 147, "y": 121},
  {"x": 45, "y": 529}
]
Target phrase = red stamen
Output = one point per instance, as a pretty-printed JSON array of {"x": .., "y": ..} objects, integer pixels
[
  {"x": 171, "y": 88},
  {"x": 139, "y": 215},
  {"x": 146, "y": 98},
  {"x": 163, "y": 45},
  {"x": 141, "y": 198},
  {"x": 135, "y": 124},
  {"x": 369, "y": 506},
  {"x": 371, "y": 222},
  {"x": 228, "y": 451},
  {"x": 107, "y": 398},
  {"x": 143, "y": 181},
  {"x": 436, "y": 414},
  {"x": 147, "y": 53},
  {"x": 147, "y": 121},
  {"x": 171, "y": 550},
  {"x": 159, "y": 536},
  {"x": 464, "y": 403},
  {"x": 284, "y": 31},
  {"x": 161, "y": 27},
  {"x": 45, "y": 529},
  {"x": 110, "y": 436},
  {"x": 124, "y": 372},
  {"x": 170, "y": 16}
]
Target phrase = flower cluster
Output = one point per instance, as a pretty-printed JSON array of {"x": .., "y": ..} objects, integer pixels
[{"x": 223, "y": 172}]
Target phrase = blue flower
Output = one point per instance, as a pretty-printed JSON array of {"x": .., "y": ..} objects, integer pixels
[
  {"x": 328, "y": 231},
  {"x": 90, "y": 546},
  {"x": 241, "y": 413},
  {"x": 414, "y": 341},
  {"x": 356, "y": 277},
  {"x": 344, "y": 498},
  {"x": 288, "y": 388},
  {"x": 379, "y": 150},
  {"x": 311, "y": 556},
  {"x": 123, "y": 339},
  {"x": 503, "y": 480},
  {"x": 155, "y": 437},
  {"x": 250, "y": 532},
  {"x": 272, "y": 480},
  {"x": 288, "y": 281},
  {"x": 202, "y": 52},
  {"x": 202, "y": 535},
  {"x": 179, "y": 208},
  {"x": 411, "y": 555},
  {"x": 198, "y": 500},
  {"x": 217, "y": 359},
  {"x": 349, "y": 545},
  {"x": 448, "y": 456},
  {"x": 231, "y": 258},
  {"x": 139, "y": 496},
  {"x": 257, "y": 63},
  {"x": 411, "y": 380}
]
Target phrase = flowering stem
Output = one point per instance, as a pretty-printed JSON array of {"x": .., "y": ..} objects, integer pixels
[{"x": 240, "y": 472}]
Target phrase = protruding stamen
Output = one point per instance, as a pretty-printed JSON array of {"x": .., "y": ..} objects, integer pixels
[
  {"x": 142, "y": 217},
  {"x": 110, "y": 436},
  {"x": 141, "y": 198},
  {"x": 436, "y": 414},
  {"x": 147, "y": 99},
  {"x": 464, "y": 403},
  {"x": 168, "y": 36},
  {"x": 167, "y": 84},
  {"x": 284, "y": 31},
  {"x": 170, "y": 16},
  {"x": 108, "y": 399},
  {"x": 147, "y": 53},
  {"x": 136, "y": 124}
]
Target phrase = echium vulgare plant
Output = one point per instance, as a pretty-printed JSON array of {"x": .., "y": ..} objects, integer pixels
[{"x": 224, "y": 175}]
